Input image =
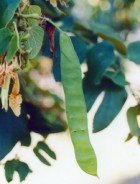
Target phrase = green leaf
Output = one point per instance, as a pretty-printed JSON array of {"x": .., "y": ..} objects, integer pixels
[
  {"x": 23, "y": 170},
  {"x": 35, "y": 40},
  {"x": 100, "y": 58},
  {"x": 12, "y": 166},
  {"x": 5, "y": 38},
  {"x": 43, "y": 146},
  {"x": 75, "y": 106},
  {"x": 133, "y": 52},
  {"x": 132, "y": 114},
  {"x": 80, "y": 47},
  {"x": 33, "y": 9},
  {"x": 108, "y": 33},
  {"x": 12, "y": 130},
  {"x": 91, "y": 92},
  {"x": 7, "y": 11},
  {"x": 85, "y": 32},
  {"x": 117, "y": 78},
  {"x": 12, "y": 48},
  {"x": 40, "y": 156},
  {"x": 111, "y": 105}
]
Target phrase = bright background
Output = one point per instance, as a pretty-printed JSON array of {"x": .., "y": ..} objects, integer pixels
[{"x": 118, "y": 161}]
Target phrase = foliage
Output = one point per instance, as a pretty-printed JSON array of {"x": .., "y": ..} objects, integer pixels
[{"x": 36, "y": 28}]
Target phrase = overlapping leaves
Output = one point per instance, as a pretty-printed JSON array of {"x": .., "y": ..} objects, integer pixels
[
  {"x": 98, "y": 79},
  {"x": 107, "y": 33},
  {"x": 20, "y": 167}
]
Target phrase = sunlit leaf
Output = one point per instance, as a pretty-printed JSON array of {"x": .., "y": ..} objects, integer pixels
[
  {"x": 35, "y": 40},
  {"x": 33, "y": 9}
]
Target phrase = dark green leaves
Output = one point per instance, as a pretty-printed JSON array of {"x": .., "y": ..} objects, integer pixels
[
  {"x": 100, "y": 58},
  {"x": 41, "y": 146},
  {"x": 91, "y": 92},
  {"x": 111, "y": 105},
  {"x": 23, "y": 170},
  {"x": 128, "y": 3},
  {"x": 104, "y": 74},
  {"x": 108, "y": 33},
  {"x": 12, "y": 130},
  {"x": 113, "y": 101},
  {"x": 12, "y": 166},
  {"x": 117, "y": 77},
  {"x": 34, "y": 43},
  {"x": 43, "y": 122},
  {"x": 132, "y": 114},
  {"x": 5, "y": 37},
  {"x": 7, "y": 11},
  {"x": 75, "y": 106},
  {"x": 133, "y": 52}
]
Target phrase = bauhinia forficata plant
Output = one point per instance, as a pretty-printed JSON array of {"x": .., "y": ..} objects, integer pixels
[{"x": 31, "y": 30}]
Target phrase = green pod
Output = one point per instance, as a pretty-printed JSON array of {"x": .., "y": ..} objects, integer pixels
[{"x": 75, "y": 106}]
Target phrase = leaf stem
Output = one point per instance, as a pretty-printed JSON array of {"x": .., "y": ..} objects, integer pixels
[
  {"x": 38, "y": 17},
  {"x": 16, "y": 31},
  {"x": 31, "y": 16},
  {"x": 51, "y": 22}
]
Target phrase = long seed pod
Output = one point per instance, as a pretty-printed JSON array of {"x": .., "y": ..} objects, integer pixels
[{"x": 75, "y": 106}]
